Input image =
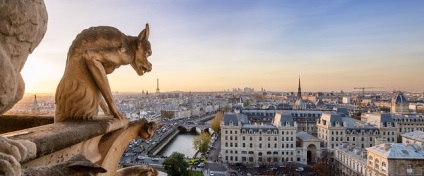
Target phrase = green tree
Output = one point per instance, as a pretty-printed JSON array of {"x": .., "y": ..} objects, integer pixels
[
  {"x": 175, "y": 165},
  {"x": 216, "y": 122},
  {"x": 166, "y": 114},
  {"x": 201, "y": 142}
]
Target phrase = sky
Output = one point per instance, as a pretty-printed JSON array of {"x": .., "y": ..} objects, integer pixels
[{"x": 215, "y": 45}]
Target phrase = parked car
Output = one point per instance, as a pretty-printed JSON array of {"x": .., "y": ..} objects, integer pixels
[
  {"x": 201, "y": 165},
  {"x": 300, "y": 169}
]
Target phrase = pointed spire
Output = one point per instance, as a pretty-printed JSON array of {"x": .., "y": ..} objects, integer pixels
[
  {"x": 299, "y": 91},
  {"x": 157, "y": 88}
]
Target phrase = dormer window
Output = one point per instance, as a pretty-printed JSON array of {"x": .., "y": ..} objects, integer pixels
[
  {"x": 231, "y": 123},
  {"x": 250, "y": 132}
]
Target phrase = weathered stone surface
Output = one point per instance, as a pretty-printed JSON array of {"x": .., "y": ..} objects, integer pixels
[
  {"x": 21, "y": 122},
  {"x": 94, "y": 53},
  {"x": 77, "y": 165},
  {"x": 12, "y": 153},
  {"x": 140, "y": 170},
  {"x": 22, "y": 26}
]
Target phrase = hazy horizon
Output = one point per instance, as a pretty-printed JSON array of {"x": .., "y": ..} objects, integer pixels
[{"x": 202, "y": 46}]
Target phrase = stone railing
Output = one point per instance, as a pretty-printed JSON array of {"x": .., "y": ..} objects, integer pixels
[{"x": 101, "y": 141}]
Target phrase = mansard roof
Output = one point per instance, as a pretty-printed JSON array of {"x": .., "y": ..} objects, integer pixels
[{"x": 234, "y": 118}]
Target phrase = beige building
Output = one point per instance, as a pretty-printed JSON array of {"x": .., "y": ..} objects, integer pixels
[
  {"x": 275, "y": 142},
  {"x": 409, "y": 122},
  {"x": 387, "y": 159},
  {"x": 306, "y": 119},
  {"x": 416, "y": 137},
  {"x": 335, "y": 128}
]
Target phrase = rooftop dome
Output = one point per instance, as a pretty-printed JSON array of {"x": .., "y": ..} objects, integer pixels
[
  {"x": 400, "y": 98},
  {"x": 319, "y": 103}
]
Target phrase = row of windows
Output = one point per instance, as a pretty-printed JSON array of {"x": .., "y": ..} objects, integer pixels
[
  {"x": 260, "y": 153},
  {"x": 260, "y": 145},
  {"x": 267, "y": 132},
  {"x": 260, "y": 159},
  {"x": 354, "y": 132}
]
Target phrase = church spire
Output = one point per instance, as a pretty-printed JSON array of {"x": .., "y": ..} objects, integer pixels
[{"x": 299, "y": 91}]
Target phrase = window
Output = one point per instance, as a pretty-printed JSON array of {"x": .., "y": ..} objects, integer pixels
[
  {"x": 231, "y": 132},
  {"x": 383, "y": 166},
  {"x": 275, "y": 138},
  {"x": 409, "y": 169},
  {"x": 353, "y": 138},
  {"x": 269, "y": 145},
  {"x": 244, "y": 145},
  {"x": 347, "y": 138},
  {"x": 269, "y": 138},
  {"x": 226, "y": 137},
  {"x": 376, "y": 164},
  {"x": 282, "y": 138},
  {"x": 260, "y": 145},
  {"x": 251, "y": 145},
  {"x": 231, "y": 138},
  {"x": 226, "y": 132},
  {"x": 260, "y": 138},
  {"x": 244, "y": 138},
  {"x": 250, "y": 138},
  {"x": 275, "y": 145},
  {"x": 235, "y": 138},
  {"x": 226, "y": 144},
  {"x": 235, "y": 132}
]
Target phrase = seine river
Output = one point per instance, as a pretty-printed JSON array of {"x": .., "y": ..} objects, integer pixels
[{"x": 182, "y": 143}]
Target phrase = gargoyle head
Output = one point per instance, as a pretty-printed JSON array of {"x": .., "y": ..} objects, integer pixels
[
  {"x": 140, "y": 64},
  {"x": 147, "y": 130}
]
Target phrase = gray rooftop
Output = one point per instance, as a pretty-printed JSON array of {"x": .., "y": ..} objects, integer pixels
[
  {"x": 304, "y": 136},
  {"x": 397, "y": 151},
  {"x": 415, "y": 135},
  {"x": 234, "y": 118}
]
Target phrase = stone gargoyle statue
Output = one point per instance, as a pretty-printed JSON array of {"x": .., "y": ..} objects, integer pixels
[{"x": 96, "y": 52}]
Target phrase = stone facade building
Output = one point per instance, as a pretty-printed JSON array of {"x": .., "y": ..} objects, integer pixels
[
  {"x": 306, "y": 119},
  {"x": 275, "y": 142},
  {"x": 335, "y": 128}
]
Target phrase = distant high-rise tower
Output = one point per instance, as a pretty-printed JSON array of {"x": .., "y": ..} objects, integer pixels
[{"x": 157, "y": 89}]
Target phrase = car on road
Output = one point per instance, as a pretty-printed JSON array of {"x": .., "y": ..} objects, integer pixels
[
  {"x": 212, "y": 174},
  {"x": 140, "y": 157},
  {"x": 300, "y": 169},
  {"x": 201, "y": 165},
  {"x": 155, "y": 159}
]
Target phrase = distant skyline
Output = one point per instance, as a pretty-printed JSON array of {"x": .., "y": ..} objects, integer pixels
[{"x": 220, "y": 45}]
